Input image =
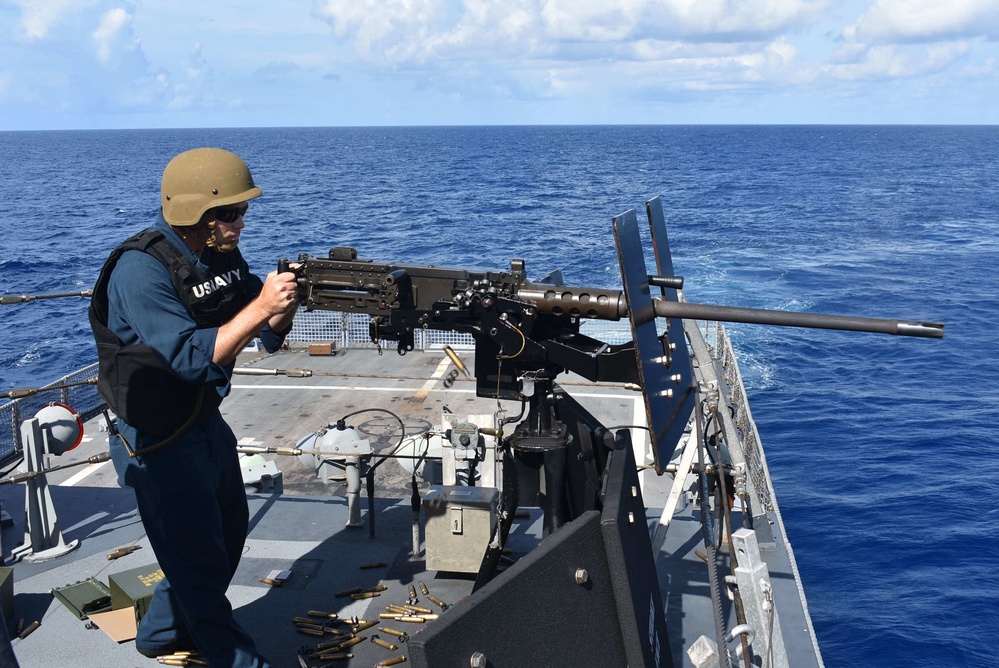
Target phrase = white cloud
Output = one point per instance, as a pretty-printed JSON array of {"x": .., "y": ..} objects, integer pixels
[
  {"x": 393, "y": 28},
  {"x": 38, "y": 17},
  {"x": 469, "y": 61},
  {"x": 900, "y": 21},
  {"x": 905, "y": 39},
  {"x": 889, "y": 62},
  {"x": 114, "y": 32},
  {"x": 418, "y": 31}
]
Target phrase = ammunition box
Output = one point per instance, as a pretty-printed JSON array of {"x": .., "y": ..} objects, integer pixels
[
  {"x": 460, "y": 523},
  {"x": 7, "y": 592},
  {"x": 81, "y": 598},
  {"x": 134, "y": 588}
]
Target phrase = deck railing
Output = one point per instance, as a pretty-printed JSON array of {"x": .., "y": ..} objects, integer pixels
[{"x": 346, "y": 330}]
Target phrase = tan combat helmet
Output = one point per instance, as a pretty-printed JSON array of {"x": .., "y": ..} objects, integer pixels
[{"x": 200, "y": 179}]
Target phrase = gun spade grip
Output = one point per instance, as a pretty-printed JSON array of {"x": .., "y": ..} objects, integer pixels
[{"x": 283, "y": 266}]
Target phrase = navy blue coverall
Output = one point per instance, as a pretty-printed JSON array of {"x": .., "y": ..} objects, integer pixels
[{"x": 190, "y": 493}]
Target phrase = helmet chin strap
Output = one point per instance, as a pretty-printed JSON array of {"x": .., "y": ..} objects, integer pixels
[
  {"x": 205, "y": 233},
  {"x": 214, "y": 244}
]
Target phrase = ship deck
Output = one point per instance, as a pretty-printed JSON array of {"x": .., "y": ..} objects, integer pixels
[{"x": 302, "y": 530}]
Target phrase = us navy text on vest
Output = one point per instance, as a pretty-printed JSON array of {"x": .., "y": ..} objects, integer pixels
[{"x": 217, "y": 282}]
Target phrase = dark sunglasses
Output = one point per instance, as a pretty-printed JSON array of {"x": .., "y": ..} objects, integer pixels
[{"x": 230, "y": 215}]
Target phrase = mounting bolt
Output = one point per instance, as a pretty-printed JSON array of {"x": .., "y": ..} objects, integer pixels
[
  {"x": 478, "y": 660},
  {"x": 582, "y": 577}
]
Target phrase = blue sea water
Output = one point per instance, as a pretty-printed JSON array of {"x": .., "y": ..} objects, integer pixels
[{"x": 883, "y": 449}]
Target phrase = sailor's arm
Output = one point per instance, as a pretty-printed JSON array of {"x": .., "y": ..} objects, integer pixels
[
  {"x": 275, "y": 305},
  {"x": 281, "y": 323}
]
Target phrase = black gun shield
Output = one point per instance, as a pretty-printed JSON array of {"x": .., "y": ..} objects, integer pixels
[
  {"x": 628, "y": 548},
  {"x": 537, "y": 613},
  {"x": 668, "y": 392},
  {"x": 680, "y": 365}
]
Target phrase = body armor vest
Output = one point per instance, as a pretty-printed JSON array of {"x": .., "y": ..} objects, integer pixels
[{"x": 136, "y": 384}]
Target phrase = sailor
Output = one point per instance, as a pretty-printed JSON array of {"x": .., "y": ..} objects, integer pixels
[{"x": 172, "y": 308}]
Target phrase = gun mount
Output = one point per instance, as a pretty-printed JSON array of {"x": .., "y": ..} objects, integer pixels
[
  {"x": 529, "y": 332},
  {"x": 559, "y": 456}
]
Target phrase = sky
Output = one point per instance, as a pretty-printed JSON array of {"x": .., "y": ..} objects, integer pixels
[{"x": 106, "y": 64}]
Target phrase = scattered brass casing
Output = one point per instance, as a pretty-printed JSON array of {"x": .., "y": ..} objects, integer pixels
[
  {"x": 394, "y": 632},
  {"x": 391, "y": 662},
  {"x": 353, "y": 641},
  {"x": 28, "y": 631},
  {"x": 363, "y": 595},
  {"x": 332, "y": 643},
  {"x": 436, "y": 601}
]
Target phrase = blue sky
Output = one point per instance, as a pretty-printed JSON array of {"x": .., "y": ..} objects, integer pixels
[{"x": 80, "y": 64}]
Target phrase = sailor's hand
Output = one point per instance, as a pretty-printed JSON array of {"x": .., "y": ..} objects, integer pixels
[{"x": 280, "y": 292}]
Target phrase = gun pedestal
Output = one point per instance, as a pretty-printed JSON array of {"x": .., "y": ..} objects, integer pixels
[{"x": 540, "y": 442}]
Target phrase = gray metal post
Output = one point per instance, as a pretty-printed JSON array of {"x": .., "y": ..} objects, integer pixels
[{"x": 753, "y": 579}]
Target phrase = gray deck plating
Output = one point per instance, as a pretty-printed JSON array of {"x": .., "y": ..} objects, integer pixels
[{"x": 303, "y": 529}]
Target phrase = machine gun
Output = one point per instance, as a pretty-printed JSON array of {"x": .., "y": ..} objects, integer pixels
[
  {"x": 530, "y": 331},
  {"x": 526, "y": 334}
]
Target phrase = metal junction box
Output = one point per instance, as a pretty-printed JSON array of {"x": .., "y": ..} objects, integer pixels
[{"x": 460, "y": 523}]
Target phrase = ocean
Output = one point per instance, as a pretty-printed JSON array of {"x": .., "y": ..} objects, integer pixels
[{"x": 883, "y": 449}]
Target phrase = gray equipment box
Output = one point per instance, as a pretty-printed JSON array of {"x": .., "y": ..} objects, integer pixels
[{"x": 460, "y": 524}]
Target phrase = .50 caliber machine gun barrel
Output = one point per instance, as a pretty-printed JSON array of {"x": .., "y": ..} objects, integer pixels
[
  {"x": 611, "y": 305},
  {"x": 668, "y": 309}
]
